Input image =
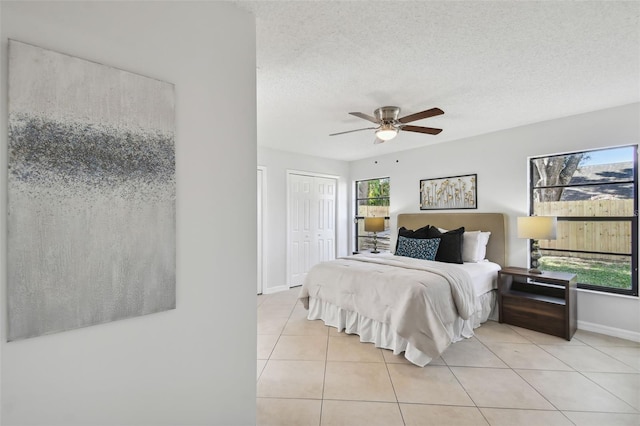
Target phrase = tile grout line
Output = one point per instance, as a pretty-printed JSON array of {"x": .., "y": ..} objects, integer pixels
[
  {"x": 525, "y": 380},
  {"x": 587, "y": 377},
  {"x": 597, "y": 348},
  {"x": 277, "y": 340},
  {"x": 463, "y": 388},
  {"x": 516, "y": 373},
  {"x": 573, "y": 370},
  {"x": 324, "y": 375},
  {"x": 386, "y": 365}
]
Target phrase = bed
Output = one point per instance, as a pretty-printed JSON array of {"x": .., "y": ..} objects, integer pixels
[{"x": 411, "y": 306}]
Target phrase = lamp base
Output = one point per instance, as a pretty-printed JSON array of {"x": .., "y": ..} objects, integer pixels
[
  {"x": 535, "y": 258},
  {"x": 375, "y": 243}
]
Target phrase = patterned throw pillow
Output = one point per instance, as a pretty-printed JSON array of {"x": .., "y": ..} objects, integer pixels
[{"x": 418, "y": 248}]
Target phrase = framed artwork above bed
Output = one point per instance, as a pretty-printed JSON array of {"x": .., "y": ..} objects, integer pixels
[{"x": 453, "y": 192}]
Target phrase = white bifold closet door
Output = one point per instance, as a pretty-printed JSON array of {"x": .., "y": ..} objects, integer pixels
[{"x": 312, "y": 224}]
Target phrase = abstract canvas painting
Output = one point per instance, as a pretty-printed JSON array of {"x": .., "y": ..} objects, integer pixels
[{"x": 91, "y": 193}]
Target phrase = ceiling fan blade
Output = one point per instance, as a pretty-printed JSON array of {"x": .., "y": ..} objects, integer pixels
[
  {"x": 365, "y": 116},
  {"x": 418, "y": 129},
  {"x": 351, "y": 131},
  {"x": 377, "y": 141},
  {"x": 420, "y": 115}
]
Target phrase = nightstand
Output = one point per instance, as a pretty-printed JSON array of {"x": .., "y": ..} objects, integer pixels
[{"x": 544, "y": 302}]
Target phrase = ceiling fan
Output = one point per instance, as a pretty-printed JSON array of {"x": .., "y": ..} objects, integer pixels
[{"x": 389, "y": 124}]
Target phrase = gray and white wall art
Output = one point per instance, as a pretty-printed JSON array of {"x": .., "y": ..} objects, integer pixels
[{"x": 91, "y": 193}]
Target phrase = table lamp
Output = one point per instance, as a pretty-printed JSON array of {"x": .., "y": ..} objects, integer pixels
[
  {"x": 537, "y": 228},
  {"x": 375, "y": 225}
]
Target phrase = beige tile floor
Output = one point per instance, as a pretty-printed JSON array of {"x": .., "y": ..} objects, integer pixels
[{"x": 309, "y": 374}]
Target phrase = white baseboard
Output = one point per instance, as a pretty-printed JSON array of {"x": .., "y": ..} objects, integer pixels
[
  {"x": 609, "y": 331},
  {"x": 274, "y": 289}
]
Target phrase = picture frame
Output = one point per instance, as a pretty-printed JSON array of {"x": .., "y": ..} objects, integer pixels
[{"x": 452, "y": 192}]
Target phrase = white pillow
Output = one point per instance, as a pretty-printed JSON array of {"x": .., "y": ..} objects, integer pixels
[{"x": 474, "y": 246}]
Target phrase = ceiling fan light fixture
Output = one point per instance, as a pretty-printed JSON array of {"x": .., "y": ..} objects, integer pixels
[{"x": 386, "y": 132}]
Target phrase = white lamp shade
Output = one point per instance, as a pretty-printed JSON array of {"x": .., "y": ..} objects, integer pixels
[
  {"x": 537, "y": 227},
  {"x": 374, "y": 224}
]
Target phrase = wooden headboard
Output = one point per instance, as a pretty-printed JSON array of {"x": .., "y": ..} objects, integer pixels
[{"x": 494, "y": 222}]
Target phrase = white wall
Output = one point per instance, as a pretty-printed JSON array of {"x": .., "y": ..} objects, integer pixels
[
  {"x": 195, "y": 364},
  {"x": 275, "y": 231},
  {"x": 500, "y": 160}
]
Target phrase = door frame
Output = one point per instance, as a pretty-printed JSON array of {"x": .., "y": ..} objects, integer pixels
[
  {"x": 290, "y": 172},
  {"x": 262, "y": 221}
]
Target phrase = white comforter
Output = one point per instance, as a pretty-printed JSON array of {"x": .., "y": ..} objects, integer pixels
[{"x": 417, "y": 299}]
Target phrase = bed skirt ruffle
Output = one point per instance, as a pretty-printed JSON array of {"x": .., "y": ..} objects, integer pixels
[{"x": 382, "y": 336}]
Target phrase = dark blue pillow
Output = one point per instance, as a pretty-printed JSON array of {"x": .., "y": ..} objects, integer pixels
[{"x": 418, "y": 248}]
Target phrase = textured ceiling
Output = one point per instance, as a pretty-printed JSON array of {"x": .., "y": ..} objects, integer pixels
[{"x": 488, "y": 65}]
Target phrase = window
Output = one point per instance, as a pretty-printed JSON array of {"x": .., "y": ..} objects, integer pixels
[
  {"x": 372, "y": 199},
  {"x": 594, "y": 196}
]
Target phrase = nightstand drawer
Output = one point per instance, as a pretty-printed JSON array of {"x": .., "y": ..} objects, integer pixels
[{"x": 534, "y": 314}]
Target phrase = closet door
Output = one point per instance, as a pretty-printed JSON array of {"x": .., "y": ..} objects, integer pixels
[
  {"x": 312, "y": 216},
  {"x": 325, "y": 191},
  {"x": 300, "y": 228}
]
